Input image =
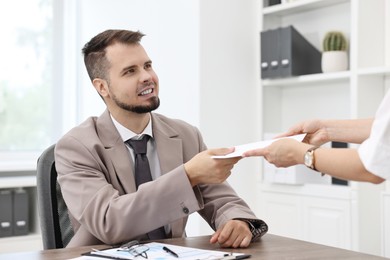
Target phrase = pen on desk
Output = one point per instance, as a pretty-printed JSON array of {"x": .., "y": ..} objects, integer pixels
[
  {"x": 166, "y": 249},
  {"x": 102, "y": 254},
  {"x": 242, "y": 256},
  {"x": 232, "y": 257}
]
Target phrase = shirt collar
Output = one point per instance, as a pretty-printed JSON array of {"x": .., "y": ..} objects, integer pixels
[{"x": 127, "y": 134}]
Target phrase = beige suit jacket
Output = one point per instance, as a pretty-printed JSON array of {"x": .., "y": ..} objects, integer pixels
[{"x": 96, "y": 178}]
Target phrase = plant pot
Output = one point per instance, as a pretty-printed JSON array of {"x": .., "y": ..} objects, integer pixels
[{"x": 334, "y": 61}]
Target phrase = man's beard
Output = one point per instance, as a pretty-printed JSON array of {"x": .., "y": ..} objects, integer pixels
[{"x": 154, "y": 104}]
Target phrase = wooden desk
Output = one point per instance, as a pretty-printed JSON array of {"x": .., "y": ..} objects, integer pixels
[{"x": 269, "y": 247}]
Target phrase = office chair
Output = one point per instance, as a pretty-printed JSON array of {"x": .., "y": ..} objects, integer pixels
[{"x": 54, "y": 219}]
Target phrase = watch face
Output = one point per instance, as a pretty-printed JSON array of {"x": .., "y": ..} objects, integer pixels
[{"x": 308, "y": 159}]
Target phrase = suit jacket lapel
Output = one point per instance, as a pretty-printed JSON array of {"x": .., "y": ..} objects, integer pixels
[
  {"x": 117, "y": 151},
  {"x": 169, "y": 146}
]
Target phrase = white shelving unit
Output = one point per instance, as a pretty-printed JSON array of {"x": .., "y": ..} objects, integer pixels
[
  {"x": 386, "y": 224},
  {"x": 18, "y": 181},
  {"x": 33, "y": 240},
  {"x": 329, "y": 214}
]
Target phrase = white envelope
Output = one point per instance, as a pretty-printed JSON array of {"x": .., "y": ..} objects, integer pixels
[{"x": 240, "y": 149}]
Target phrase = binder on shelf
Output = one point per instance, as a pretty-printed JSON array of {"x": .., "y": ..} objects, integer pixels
[
  {"x": 271, "y": 2},
  {"x": 275, "y": 45},
  {"x": 270, "y": 41},
  {"x": 20, "y": 212},
  {"x": 294, "y": 55},
  {"x": 6, "y": 228},
  {"x": 265, "y": 54},
  {"x": 297, "y": 55}
]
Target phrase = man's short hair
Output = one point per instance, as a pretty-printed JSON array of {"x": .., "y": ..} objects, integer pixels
[{"x": 94, "y": 51}]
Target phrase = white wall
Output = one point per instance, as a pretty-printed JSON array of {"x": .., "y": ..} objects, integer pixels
[
  {"x": 171, "y": 42},
  {"x": 229, "y": 80}
]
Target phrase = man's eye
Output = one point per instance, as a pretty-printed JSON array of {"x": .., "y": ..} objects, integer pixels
[
  {"x": 130, "y": 71},
  {"x": 148, "y": 65}
]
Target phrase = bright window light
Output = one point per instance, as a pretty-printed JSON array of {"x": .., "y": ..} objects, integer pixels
[{"x": 26, "y": 78}]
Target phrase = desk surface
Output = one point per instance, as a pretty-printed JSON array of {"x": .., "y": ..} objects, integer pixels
[{"x": 269, "y": 247}]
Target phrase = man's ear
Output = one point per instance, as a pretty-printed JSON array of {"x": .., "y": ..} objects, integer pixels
[{"x": 101, "y": 86}]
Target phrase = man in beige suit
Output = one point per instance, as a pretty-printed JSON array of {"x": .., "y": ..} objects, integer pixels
[{"x": 95, "y": 164}]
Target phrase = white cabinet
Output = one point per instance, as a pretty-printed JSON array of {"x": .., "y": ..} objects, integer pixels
[
  {"x": 313, "y": 213},
  {"x": 327, "y": 221},
  {"x": 282, "y": 212},
  {"x": 318, "y": 215},
  {"x": 33, "y": 240}
]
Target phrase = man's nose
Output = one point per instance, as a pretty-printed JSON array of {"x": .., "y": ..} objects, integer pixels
[{"x": 145, "y": 75}]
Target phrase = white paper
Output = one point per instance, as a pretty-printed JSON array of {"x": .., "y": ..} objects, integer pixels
[
  {"x": 156, "y": 252},
  {"x": 240, "y": 149}
]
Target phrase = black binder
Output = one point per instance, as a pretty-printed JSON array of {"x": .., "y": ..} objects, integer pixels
[
  {"x": 288, "y": 54},
  {"x": 275, "y": 45},
  {"x": 297, "y": 55},
  {"x": 20, "y": 212},
  {"x": 271, "y": 2},
  {"x": 270, "y": 42},
  {"x": 6, "y": 228},
  {"x": 265, "y": 53}
]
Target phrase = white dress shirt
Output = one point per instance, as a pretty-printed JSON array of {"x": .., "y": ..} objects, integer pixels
[{"x": 151, "y": 152}]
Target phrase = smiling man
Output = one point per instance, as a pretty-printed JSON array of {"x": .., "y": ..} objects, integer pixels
[{"x": 99, "y": 166}]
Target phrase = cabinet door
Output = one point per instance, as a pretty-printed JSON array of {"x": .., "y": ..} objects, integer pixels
[
  {"x": 282, "y": 212},
  {"x": 328, "y": 222},
  {"x": 386, "y": 224}
]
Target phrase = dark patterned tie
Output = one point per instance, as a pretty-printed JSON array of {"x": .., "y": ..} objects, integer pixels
[{"x": 142, "y": 174}]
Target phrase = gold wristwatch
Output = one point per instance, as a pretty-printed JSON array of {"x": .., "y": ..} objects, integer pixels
[{"x": 309, "y": 158}]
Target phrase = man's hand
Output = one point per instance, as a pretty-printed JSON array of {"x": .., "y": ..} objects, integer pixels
[
  {"x": 235, "y": 233},
  {"x": 203, "y": 169}
]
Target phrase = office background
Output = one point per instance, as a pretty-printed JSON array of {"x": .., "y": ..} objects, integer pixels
[{"x": 206, "y": 54}]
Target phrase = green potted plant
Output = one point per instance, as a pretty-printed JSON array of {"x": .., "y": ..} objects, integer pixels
[{"x": 334, "y": 56}]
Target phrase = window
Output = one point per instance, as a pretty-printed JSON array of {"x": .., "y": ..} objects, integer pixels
[{"x": 27, "y": 86}]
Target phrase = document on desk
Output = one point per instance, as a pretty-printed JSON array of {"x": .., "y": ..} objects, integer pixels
[
  {"x": 156, "y": 251},
  {"x": 240, "y": 149}
]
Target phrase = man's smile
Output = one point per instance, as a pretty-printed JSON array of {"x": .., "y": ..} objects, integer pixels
[{"x": 146, "y": 92}]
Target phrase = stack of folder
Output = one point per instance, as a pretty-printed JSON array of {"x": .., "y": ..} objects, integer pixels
[
  {"x": 14, "y": 212},
  {"x": 286, "y": 53}
]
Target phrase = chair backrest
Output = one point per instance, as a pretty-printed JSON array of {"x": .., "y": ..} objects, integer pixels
[{"x": 55, "y": 224}]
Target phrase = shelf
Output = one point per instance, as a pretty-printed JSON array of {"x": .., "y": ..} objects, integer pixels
[
  {"x": 18, "y": 181},
  {"x": 19, "y": 161},
  {"x": 299, "y": 6},
  {"x": 375, "y": 71},
  {"x": 31, "y": 242},
  {"x": 18, "y": 166},
  {"x": 309, "y": 79},
  {"x": 21, "y": 238}
]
